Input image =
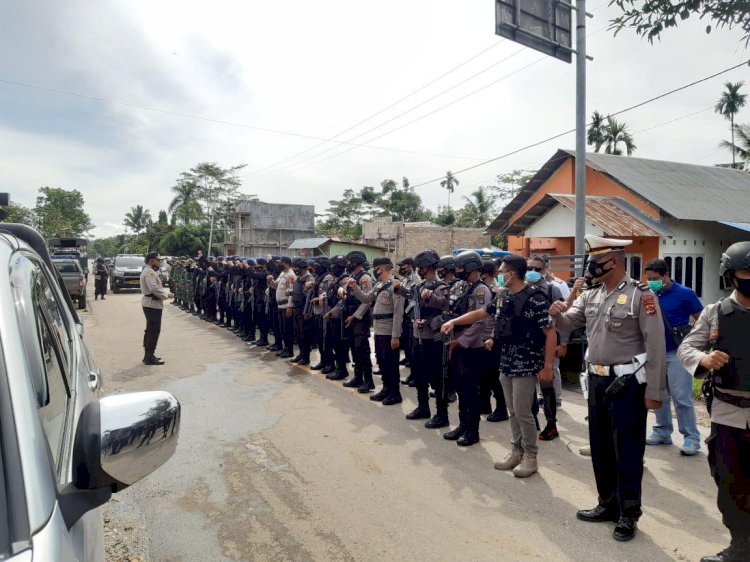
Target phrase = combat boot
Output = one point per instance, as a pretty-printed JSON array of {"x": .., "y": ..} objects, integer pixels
[
  {"x": 354, "y": 382},
  {"x": 437, "y": 421},
  {"x": 262, "y": 342},
  {"x": 455, "y": 434},
  {"x": 421, "y": 412},
  {"x": 392, "y": 400},
  {"x": 738, "y": 551},
  {"x": 468, "y": 439},
  {"x": 380, "y": 396},
  {"x": 327, "y": 369},
  {"x": 317, "y": 367},
  {"x": 513, "y": 459},
  {"x": 304, "y": 360},
  {"x": 527, "y": 467},
  {"x": 498, "y": 415}
]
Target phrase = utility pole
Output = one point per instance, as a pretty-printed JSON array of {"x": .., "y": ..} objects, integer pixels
[{"x": 580, "y": 162}]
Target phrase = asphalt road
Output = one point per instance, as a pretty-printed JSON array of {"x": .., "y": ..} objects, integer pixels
[{"x": 276, "y": 463}]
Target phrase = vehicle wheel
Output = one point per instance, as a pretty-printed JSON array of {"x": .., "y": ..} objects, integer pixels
[{"x": 82, "y": 301}]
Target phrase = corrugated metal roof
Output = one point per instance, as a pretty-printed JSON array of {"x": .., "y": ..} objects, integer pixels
[
  {"x": 307, "y": 243},
  {"x": 615, "y": 216},
  {"x": 741, "y": 225},
  {"x": 685, "y": 191}
]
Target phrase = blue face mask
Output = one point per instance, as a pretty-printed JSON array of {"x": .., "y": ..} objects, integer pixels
[{"x": 533, "y": 276}]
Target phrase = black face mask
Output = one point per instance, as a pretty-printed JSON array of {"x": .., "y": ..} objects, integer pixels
[
  {"x": 742, "y": 286},
  {"x": 378, "y": 272},
  {"x": 597, "y": 270},
  {"x": 462, "y": 275},
  {"x": 403, "y": 271},
  {"x": 350, "y": 268}
]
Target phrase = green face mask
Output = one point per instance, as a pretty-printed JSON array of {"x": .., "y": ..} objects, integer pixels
[{"x": 656, "y": 286}]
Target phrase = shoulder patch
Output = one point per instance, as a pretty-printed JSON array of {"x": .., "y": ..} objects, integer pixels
[
  {"x": 152, "y": 274},
  {"x": 649, "y": 304}
]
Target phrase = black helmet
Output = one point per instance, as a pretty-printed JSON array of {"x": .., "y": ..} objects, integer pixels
[
  {"x": 426, "y": 258},
  {"x": 377, "y": 262},
  {"x": 338, "y": 261},
  {"x": 737, "y": 256},
  {"x": 300, "y": 263},
  {"x": 469, "y": 261},
  {"x": 489, "y": 266},
  {"x": 356, "y": 257},
  {"x": 322, "y": 262},
  {"x": 448, "y": 263}
]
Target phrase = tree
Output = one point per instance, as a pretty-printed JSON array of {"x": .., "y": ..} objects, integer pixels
[
  {"x": 449, "y": 184},
  {"x": 184, "y": 204},
  {"x": 137, "y": 219},
  {"x": 741, "y": 146},
  {"x": 163, "y": 218},
  {"x": 596, "y": 135},
  {"x": 402, "y": 203},
  {"x": 510, "y": 184},
  {"x": 185, "y": 240},
  {"x": 445, "y": 216},
  {"x": 616, "y": 132},
  {"x": 479, "y": 209},
  {"x": 343, "y": 217},
  {"x": 217, "y": 189},
  {"x": 730, "y": 102},
  {"x": 60, "y": 212},
  {"x": 17, "y": 213},
  {"x": 654, "y": 16}
]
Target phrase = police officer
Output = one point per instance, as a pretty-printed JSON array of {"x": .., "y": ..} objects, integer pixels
[
  {"x": 153, "y": 295},
  {"x": 323, "y": 281},
  {"x": 357, "y": 319},
  {"x": 717, "y": 349},
  {"x": 302, "y": 323},
  {"x": 387, "y": 313},
  {"x": 469, "y": 348},
  {"x": 490, "y": 381},
  {"x": 335, "y": 331},
  {"x": 429, "y": 299},
  {"x": 101, "y": 276},
  {"x": 283, "y": 285},
  {"x": 627, "y": 377},
  {"x": 260, "y": 303},
  {"x": 409, "y": 279}
]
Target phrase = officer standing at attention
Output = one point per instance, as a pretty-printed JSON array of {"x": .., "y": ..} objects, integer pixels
[
  {"x": 408, "y": 279},
  {"x": 387, "y": 313},
  {"x": 357, "y": 320},
  {"x": 101, "y": 276},
  {"x": 717, "y": 348},
  {"x": 626, "y": 361},
  {"x": 469, "y": 347},
  {"x": 283, "y": 285},
  {"x": 153, "y": 295}
]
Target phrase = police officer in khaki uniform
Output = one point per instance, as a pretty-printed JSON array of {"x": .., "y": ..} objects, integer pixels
[
  {"x": 387, "y": 315},
  {"x": 717, "y": 348},
  {"x": 627, "y": 377},
  {"x": 153, "y": 295}
]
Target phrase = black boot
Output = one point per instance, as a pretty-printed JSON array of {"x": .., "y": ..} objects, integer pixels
[
  {"x": 455, "y": 434},
  {"x": 468, "y": 438},
  {"x": 380, "y": 396},
  {"x": 356, "y": 381},
  {"x": 262, "y": 342},
  {"x": 367, "y": 383},
  {"x": 437, "y": 421},
  {"x": 498, "y": 415},
  {"x": 392, "y": 400},
  {"x": 419, "y": 413},
  {"x": 317, "y": 367},
  {"x": 328, "y": 369},
  {"x": 738, "y": 551},
  {"x": 304, "y": 360}
]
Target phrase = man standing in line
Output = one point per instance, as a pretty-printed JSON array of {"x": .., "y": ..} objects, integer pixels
[
  {"x": 408, "y": 279},
  {"x": 302, "y": 324},
  {"x": 153, "y": 295},
  {"x": 283, "y": 285},
  {"x": 357, "y": 319},
  {"x": 101, "y": 276},
  {"x": 627, "y": 377},
  {"x": 717, "y": 349},
  {"x": 678, "y": 303}
]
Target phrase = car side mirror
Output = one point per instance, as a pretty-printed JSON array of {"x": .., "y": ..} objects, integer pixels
[{"x": 120, "y": 439}]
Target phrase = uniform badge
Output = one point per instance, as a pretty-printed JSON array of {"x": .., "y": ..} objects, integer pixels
[
  {"x": 649, "y": 304},
  {"x": 622, "y": 299}
]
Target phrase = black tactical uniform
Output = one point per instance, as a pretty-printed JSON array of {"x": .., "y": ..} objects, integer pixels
[{"x": 360, "y": 321}]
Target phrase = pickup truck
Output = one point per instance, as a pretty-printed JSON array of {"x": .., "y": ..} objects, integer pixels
[{"x": 74, "y": 278}]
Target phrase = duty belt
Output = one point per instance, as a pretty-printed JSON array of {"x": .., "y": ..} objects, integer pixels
[
  {"x": 282, "y": 301},
  {"x": 612, "y": 370},
  {"x": 739, "y": 401},
  {"x": 382, "y": 316}
]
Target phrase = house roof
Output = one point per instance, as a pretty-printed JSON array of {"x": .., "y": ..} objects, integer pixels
[
  {"x": 685, "y": 191},
  {"x": 615, "y": 216},
  {"x": 307, "y": 243}
]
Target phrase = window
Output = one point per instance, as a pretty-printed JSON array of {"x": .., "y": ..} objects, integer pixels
[
  {"x": 687, "y": 270},
  {"x": 633, "y": 265},
  {"x": 46, "y": 302}
]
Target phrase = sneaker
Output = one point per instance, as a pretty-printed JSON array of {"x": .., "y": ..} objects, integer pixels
[
  {"x": 656, "y": 439},
  {"x": 585, "y": 451},
  {"x": 690, "y": 448},
  {"x": 549, "y": 433}
]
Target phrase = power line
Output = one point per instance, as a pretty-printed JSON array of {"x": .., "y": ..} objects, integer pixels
[
  {"x": 219, "y": 121},
  {"x": 557, "y": 136},
  {"x": 379, "y": 112},
  {"x": 673, "y": 120}
]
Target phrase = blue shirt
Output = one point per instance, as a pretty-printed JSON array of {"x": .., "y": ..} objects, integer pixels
[{"x": 678, "y": 304}]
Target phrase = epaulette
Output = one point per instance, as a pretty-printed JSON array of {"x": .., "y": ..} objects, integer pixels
[{"x": 642, "y": 286}]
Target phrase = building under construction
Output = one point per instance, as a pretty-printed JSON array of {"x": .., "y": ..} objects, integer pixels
[{"x": 269, "y": 228}]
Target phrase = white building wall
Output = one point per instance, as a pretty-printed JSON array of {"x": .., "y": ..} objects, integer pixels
[
  {"x": 701, "y": 239},
  {"x": 559, "y": 222}
]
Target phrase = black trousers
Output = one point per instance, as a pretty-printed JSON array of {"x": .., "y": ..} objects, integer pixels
[
  {"x": 729, "y": 459},
  {"x": 359, "y": 338},
  {"x": 303, "y": 332},
  {"x": 261, "y": 318},
  {"x": 286, "y": 327},
  {"x": 323, "y": 337},
  {"x": 468, "y": 379},
  {"x": 617, "y": 433},
  {"x": 100, "y": 286},
  {"x": 407, "y": 340},
  {"x": 427, "y": 370},
  {"x": 388, "y": 361},
  {"x": 153, "y": 329}
]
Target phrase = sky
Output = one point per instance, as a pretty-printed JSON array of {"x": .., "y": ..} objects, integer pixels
[{"x": 116, "y": 99}]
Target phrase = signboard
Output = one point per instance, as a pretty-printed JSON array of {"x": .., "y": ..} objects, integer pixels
[{"x": 543, "y": 25}]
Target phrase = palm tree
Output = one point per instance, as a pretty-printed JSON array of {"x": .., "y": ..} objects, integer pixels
[
  {"x": 185, "y": 202},
  {"x": 616, "y": 133},
  {"x": 740, "y": 147},
  {"x": 596, "y": 136},
  {"x": 449, "y": 183},
  {"x": 730, "y": 102},
  {"x": 137, "y": 219},
  {"x": 480, "y": 206}
]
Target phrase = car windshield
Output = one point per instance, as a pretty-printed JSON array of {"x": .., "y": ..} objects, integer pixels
[
  {"x": 129, "y": 261},
  {"x": 66, "y": 267}
]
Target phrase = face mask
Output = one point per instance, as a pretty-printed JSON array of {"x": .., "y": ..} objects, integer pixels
[
  {"x": 533, "y": 276},
  {"x": 742, "y": 286},
  {"x": 403, "y": 271},
  {"x": 597, "y": 270},
  {"x": 463, "y": 275},
  {"x": 501, "y": 280},
  {"x": 155, "y": 267},
  {"x": 378, "y": 272},
  {"x": 656, "y": 286}
]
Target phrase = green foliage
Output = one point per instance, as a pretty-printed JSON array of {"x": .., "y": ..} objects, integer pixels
[
  {"x": 185, "y": 206},
  {"x": 609, "y": 133},
  {"x": 186, "y": 240},
  {"x": 729, "y": 104},
  {"x": 596, "y": 136},
  {"x": 19, "y": 214},
  {"x": 445, "y": 216},
  {"x": 59, "y": 212},
  {"x": 740, "y": 145},
  {"x": 137, "y": 219},
  {"x": 650, "y": 17},
  {"x": 110, "y": 246},
  {"x": 509, "y": 185},
  {"x": 163, "y": 218},
  {"x": 449, "y": 184}
]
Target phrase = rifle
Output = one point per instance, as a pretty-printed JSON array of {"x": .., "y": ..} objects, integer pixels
[
  {"x": 307, "y": 310},
  {"x": 416, "y": 307},
  {"x": 325, "y": 320}
]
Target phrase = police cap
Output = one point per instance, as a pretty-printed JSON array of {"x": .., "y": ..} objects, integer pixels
[
  {"x": 407, "y": 261},
  {"x": 338, "y": 261},
  {"x": 597, "y": 246},
  {"x": 285, "y": 259},
  {"x": 377, "y": 262}
]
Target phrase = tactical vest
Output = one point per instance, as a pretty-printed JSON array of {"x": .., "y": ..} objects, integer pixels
[
  {"x": 511, "y": 325},
  {"x": 734, "y": 325},
  {"x": 427, "y": 312},
  {"x": 352, "y": 302},
  {"x": 298, "y": 291}
]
